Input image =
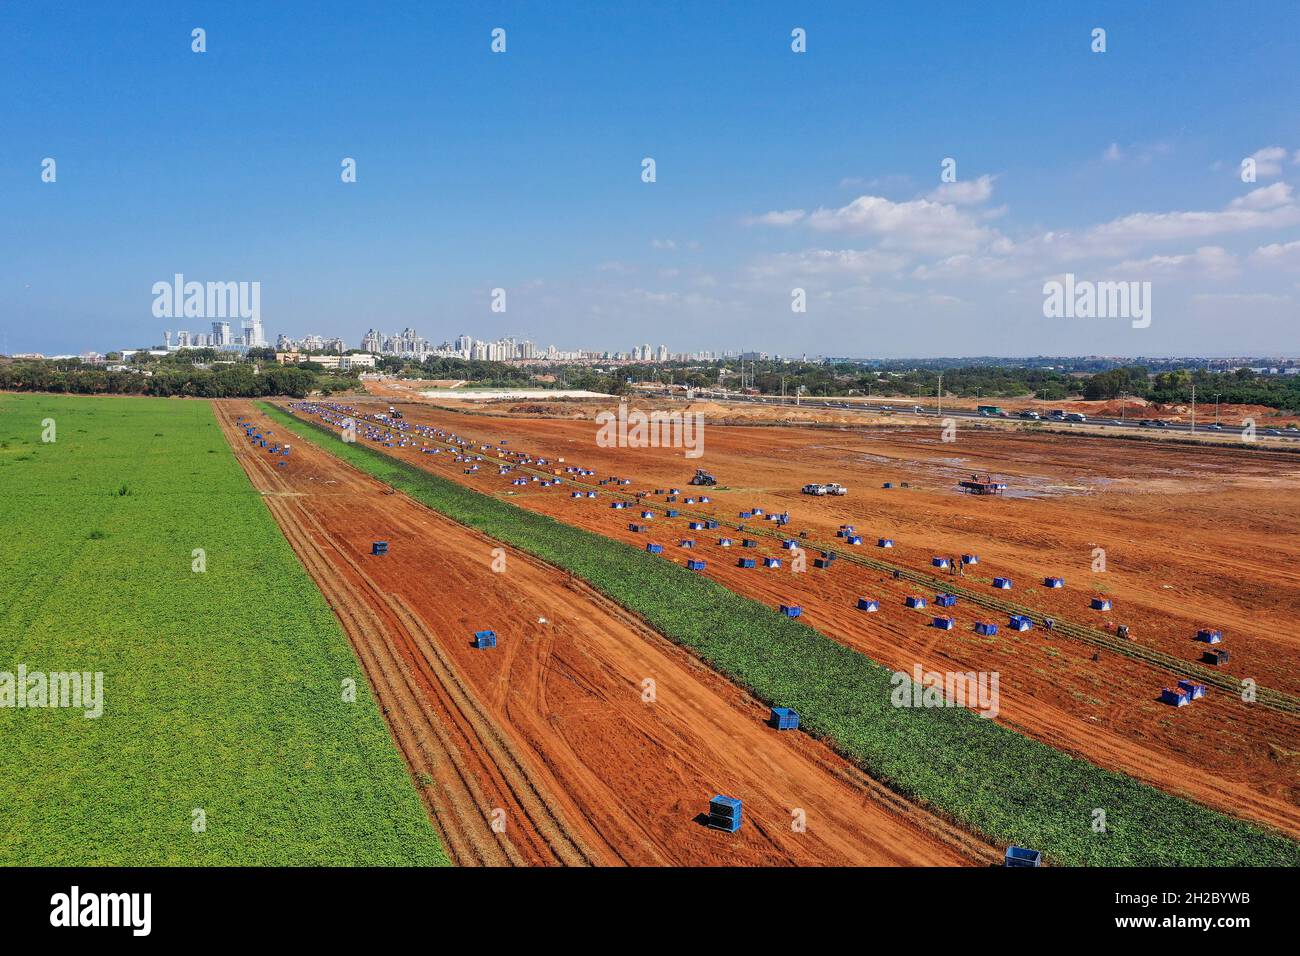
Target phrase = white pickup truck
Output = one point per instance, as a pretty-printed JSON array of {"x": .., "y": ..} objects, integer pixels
[{"x": 828, "y": 489}]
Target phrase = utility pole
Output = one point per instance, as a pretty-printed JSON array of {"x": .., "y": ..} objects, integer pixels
[
  {"x": 940, "y": 393},
  {"x": 1193, "y": 408},
  {"x": 1216, "y": 408}
]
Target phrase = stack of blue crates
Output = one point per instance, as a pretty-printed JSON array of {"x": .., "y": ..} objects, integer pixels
[
  {"x": 725, "y": 813},
  {"x": 485, "y": 639}
]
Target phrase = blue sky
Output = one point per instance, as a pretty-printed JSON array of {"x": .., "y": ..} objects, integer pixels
[{"x": 775, "y": 171}]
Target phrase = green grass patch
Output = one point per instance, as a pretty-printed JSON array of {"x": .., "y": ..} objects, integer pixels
[
  {"x": 222, "y": 691},
  {"x": 993, "y": 780}
]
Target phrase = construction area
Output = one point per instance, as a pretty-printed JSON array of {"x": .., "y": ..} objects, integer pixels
[{"x": 1086, "y": 583}]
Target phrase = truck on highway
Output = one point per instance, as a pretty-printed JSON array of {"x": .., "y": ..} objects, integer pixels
[{"x": 989, "y": 411}]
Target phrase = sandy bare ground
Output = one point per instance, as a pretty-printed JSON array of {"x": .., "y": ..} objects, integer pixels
[{"x": 552, "y": 726}]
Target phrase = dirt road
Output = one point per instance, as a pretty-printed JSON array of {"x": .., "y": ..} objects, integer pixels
[{"x": 597, "y": 740}]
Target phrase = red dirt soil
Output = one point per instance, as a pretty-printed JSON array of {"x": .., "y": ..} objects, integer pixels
[
  {"x": 551, "y": 726},
  {"x": 1194, "y": 537}
]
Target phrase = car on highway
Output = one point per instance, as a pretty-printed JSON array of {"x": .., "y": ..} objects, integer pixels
[
  {"x": 1033, "y": 416},
  {"x": 1216, "y": 427},
  {"x": 1076, "y": 417}
]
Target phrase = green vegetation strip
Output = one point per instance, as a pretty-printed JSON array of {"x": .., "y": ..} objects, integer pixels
[
  {"x": 991, "y": 779},
  {"x": 225, "y": 738}
]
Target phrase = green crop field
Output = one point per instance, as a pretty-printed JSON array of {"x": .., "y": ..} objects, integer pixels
[
  {"x": 223, "y": 707},
  {"x": 993, "y": 780}
]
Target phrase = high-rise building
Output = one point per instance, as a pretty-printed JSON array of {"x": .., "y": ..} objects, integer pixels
[
  {"x": 221, "y": 334},
  {"x": 254, "y": 337},
  {"x": 372, "y": 341}
]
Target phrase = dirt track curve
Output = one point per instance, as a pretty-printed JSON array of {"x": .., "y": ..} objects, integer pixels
[{"x": 552, "y": 728}]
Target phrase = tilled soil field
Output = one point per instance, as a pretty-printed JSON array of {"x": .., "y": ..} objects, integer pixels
[
  {"x": 550, "y": 736},
  {"x": 1192, "y": 538}
]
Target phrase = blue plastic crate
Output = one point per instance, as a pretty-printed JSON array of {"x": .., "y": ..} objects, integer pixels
[
  {"x": 1100, "y": 604},
  {"x": 945, "y": 600},
  {"x": 783, "y": 718},
  {"x": 746, "y": 563},
  {"x": 1022, "y": 856},
  {"x": 1020, "y": 622},
  {"x": 868, "y": 604},
  {"x": 791, "y": 610},
  {"x": 655, "y": 548},
  {"x": 1176, "y": 697},
  {"x": 1050, "y": 582},
  {"x": 695, "y": 565},
  {"x": 485, "y": 639},
  {"x": 379, "y": 547},
  {"x": 1002, "y": 584},
  {"x": 913, "y": 600},
  {"x": 885, "y": 543}
]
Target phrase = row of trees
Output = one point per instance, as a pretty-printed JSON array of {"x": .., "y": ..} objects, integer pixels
[
  {"x": 236, "y": 381},
  {"x": 1239, "y": 387}
]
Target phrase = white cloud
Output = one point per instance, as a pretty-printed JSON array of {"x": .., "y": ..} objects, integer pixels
[
  {"x": 1278, "y": 254},
  {"x": 964, "y": 193},
  {"x": 1208, "y": 261},
  {"x": 668, "y": 244},
  {"x": 1269, "y": 207},
  {"x": 921, "y": 224},
  {"x": 1268, "y": 161},
  {"x": 1266, "y": 197},
  {"x": 964, "y": 266},
  {"x": 1112, "y": 153},
  {"x": 851, "y": 262},
  {"x": 787, "y": 217}
]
